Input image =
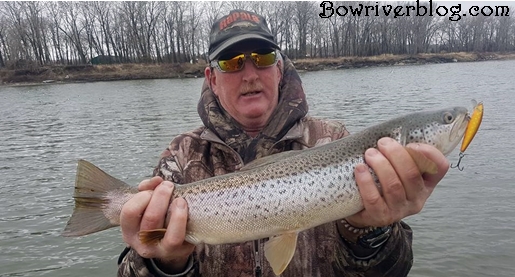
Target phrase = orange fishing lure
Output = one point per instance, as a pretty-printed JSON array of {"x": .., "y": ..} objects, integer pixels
[
  {"x": 470, "y": 132},
  {"x": 472, "y": 126}
]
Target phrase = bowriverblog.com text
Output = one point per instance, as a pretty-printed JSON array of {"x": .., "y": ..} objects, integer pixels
[{"x": 454, "y": 13}]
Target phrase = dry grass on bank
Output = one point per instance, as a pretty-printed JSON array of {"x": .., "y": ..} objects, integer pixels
[
  {"x": 390, "y": 59},
  {"x": 90, "y": 73}
]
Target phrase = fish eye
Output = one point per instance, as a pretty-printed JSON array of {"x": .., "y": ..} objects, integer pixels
[{"x": 448, "y": 117}]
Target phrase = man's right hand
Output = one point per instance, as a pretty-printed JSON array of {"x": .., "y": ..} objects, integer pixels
[{"x": 147, "y": 210}]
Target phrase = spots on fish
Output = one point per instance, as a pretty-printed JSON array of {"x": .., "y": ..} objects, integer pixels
[{"x": 303, "y": 188}]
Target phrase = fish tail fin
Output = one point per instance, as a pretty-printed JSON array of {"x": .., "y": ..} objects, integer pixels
[
  {"x": 92, "y": 212},
  {"x": 151, "y": 236}
]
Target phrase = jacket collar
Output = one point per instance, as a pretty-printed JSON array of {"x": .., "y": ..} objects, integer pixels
[
  {"x": 295, "y": 132},
  {"x": 291, "y": 108}
]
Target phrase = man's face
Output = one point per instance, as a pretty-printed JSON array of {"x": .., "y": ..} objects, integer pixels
[{"x": 249, "y": 95}]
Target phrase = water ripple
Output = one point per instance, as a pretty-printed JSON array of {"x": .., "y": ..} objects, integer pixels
[{"x": 123, "y": 127}]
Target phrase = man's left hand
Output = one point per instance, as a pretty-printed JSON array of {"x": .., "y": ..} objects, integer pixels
[{"x": 404, "y": 188}]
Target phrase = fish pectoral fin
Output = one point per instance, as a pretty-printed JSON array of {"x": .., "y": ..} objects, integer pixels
[
  {"x": 424, "y": 164},
  {"x": 279, "y": 251},
  {"x": 399, "y": 135},
  {"x": 151, "y": 236}
]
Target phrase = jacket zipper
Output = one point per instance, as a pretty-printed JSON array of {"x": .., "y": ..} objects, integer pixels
[{"x": 257, "y": 258}]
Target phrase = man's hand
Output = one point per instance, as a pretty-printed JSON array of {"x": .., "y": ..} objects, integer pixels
[
  {"x": 147, "y": 210},
  {"x": 405, "y": 189}
]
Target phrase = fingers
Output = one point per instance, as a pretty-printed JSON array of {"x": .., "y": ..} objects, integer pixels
[
  {"x": 131, "y": 215},
  {"x": 157, "y": 208},
  {"x": 174, "y": 250},
  {"x": 150, "y": 184},
  {"x": 147, "y": 210},
  {"x": 403, "y": 189},
  {"x": 176, "y": 232},
  {"x": 400, "y": 177},
  {"x": 373, "y": 202},
  {"x": 438, "y": 158}
]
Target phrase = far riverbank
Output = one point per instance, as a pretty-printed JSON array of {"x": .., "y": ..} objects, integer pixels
[{"x": 114, "y": 72}]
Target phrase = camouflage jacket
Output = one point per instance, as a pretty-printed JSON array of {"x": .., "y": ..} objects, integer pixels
[{"x": 221, "y": 147}]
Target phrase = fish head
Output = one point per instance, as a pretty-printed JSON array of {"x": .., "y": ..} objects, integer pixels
[{"x": 443, "y": 129}]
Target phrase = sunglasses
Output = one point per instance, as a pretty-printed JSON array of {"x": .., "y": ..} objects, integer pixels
[{"x": 234, "y": 62}]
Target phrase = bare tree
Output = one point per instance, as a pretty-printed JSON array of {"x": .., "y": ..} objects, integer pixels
[
  {"x": 19, "y": 45},
  {"x": 302, "y": 19},
  {"x": 4, "y": 54},
  {"x": 195, "y": 14},
  {"x": 212, "y": 11},
  {"x": 154, "y": 31},
  {"x": 73, "y": 30},
  {"x": 102, "y": 11}
]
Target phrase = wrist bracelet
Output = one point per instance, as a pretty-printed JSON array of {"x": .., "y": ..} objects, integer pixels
[{"x": 368, "y": 237}]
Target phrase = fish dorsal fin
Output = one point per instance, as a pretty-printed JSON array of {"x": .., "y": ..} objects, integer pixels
[
  {"x": 424, "y": 164},
  {"x": 279, "y": 251},
  {"x": 270, "y": 159}
]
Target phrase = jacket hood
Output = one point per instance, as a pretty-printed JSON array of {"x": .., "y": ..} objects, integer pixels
[{"x": 292, "y": 107}]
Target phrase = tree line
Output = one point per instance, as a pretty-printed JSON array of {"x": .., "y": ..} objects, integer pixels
[{"x": 41, "y": 33}]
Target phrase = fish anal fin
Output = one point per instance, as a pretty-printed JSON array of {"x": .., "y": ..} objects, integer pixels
[
  {"x": 279, "y": 251},
  {"x": 424, "y": 164},
  {"x": 151, "y": 236}
]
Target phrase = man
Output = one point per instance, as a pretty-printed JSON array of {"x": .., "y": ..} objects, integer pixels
[{"x": 253, "y": 105}]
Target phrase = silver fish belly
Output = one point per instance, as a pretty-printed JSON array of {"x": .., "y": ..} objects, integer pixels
[{"x": 276, "y": 196}]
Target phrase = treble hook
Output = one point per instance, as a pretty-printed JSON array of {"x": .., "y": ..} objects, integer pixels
[{"x": 459, "y": 161}]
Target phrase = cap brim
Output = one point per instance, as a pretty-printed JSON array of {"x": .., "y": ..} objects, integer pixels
[{"x": 226, "y": 44}]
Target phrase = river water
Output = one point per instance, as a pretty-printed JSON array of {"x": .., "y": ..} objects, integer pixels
[{"x": 467, "y": 227}]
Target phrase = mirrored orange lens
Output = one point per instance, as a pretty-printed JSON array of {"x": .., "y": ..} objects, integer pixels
[
  {"x": 263, "y": 60},
  {"x": 236, "y": 63}
]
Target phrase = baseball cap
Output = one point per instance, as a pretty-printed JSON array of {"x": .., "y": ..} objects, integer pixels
[{"x": 238, "y": 25}]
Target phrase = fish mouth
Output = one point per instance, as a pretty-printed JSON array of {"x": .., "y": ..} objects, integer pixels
[{"x": 457, "y": 131}]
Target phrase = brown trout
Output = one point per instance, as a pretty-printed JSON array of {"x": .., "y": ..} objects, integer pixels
[{"x": 274, "y": 197}]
